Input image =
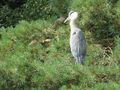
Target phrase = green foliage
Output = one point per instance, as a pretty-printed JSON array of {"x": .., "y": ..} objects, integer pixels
[
  {"x": 116, "y": 51},
  {"x": 5, "y": 16},
  {"x": 32, "y": 10},
  {"x": 34, "y": 56}
]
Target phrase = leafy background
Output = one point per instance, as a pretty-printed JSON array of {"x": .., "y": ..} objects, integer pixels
[{"x": 34, "y": 45}]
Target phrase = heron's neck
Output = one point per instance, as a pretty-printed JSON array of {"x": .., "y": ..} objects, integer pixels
[{"x": 73, "y": 25}]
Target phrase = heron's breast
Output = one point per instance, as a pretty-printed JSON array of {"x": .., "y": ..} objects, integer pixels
[
  {"x": 74, "y": 42},
  {"x": 74, "y": 39}
]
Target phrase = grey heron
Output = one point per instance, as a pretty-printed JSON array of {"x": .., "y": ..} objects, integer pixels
[{"x": 77, "y": 39}]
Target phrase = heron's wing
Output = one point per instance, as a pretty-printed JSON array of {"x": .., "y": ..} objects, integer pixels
[{"x": 81, "y": 43}]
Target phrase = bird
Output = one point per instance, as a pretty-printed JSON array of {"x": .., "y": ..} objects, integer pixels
[{"x": 78, "y": 44}]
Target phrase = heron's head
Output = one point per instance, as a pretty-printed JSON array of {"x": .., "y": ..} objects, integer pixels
[{"x": 71, "y": 16}]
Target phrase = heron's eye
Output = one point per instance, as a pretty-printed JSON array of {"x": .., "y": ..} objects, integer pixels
[{"x": 74, "y": 33}]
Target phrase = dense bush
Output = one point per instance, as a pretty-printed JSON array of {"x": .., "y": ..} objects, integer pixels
[
  {"x": 13, "y": 11},
  {"x": 34, "y": 56}
]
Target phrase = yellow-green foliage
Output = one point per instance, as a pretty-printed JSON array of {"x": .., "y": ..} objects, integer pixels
[
  {"x": 33, "y": 56},
  {"x": 47, "y": 64}
]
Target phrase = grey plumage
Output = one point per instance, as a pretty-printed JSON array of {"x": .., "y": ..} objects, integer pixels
[{"x": 77, "y": 39}]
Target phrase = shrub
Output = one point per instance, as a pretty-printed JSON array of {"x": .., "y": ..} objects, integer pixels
[
  {"x": 34, "y": 56},
  {"x": 116, "y": 51},
  {"x": 31, "y": 10}
]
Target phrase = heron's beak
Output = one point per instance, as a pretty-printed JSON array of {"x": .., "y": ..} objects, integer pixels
[{"x": 67, "y": 19}]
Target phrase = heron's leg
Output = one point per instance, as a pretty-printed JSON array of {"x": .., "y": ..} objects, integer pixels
[{"x": 80, "y": 60}]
